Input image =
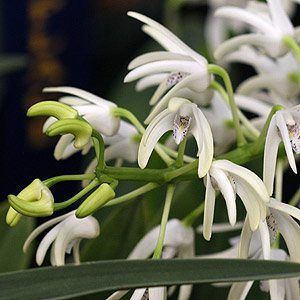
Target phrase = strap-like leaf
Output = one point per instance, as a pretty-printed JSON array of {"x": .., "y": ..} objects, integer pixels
[{"x": 70, "y": 281}]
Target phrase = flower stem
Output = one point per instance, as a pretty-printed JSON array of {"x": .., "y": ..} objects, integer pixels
[
  {"x": 99, "y": 148},
  {"x": 295, "y": 199},
  {"x": 180, "y": 154},
  {"x": 163, "y": 224},
  {"x": 293, "y": 45},
  {"x": 214, "y": 69},
  {"x": 174, "y": 154},
  {"x": 262, "y": 137},
  {"x": 124, "y": 113},
  {"x": 54, "y": 180},
  {"x": 87, "y": 189},
  {"x": 140, "y": 191},
  {"x": 193, "y": 216}
]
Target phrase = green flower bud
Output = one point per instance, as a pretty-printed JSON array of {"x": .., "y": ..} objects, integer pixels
[
  {"x": 96, "y": 200},
  {"x": 52, "y": 108},
  {"x": 34, "y": 193},
  {"x": 81, "y": 130}
]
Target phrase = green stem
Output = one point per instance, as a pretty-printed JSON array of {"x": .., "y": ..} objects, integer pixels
[
  {"x": 87, "y": 189},
  {"x": 293, "y": 45},
  {"x": 214, "y": 69},
  {"x": 175, "y": 173},
  {"x": 174, "y": 154},
  {"x": 295, "y": 199},
  {"x": 163, "y": 224},
  {"x": 260, "y": 142},
  {"x": 140, "y": 191},
  {"x": 99, "y": 148},
  {"x": 124, "y": 113},
  {"x": 193, "y": 216},
  {"x": 180, "y": 154},
  {"x": 54, "y": 180}
]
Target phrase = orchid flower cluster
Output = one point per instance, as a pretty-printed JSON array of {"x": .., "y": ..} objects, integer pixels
[{"x": 188, "y": 102}]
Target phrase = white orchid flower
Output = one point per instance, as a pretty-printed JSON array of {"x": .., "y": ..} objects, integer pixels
[
  {"x": 219, "y": 114},
  {"x": 179, "y": 71},
  {"x": 64, "y": 237},
  {"x": 232, "y": 179},
  {"x": 216, "y": 29},
  {"x": 273, "y": 74},
  {"x": 269, "y": 29},
  {"x": 284, "y": 126},
  {"x": 96, "y": 110},
  {"x": 179, "y": 242},
  {"x": 182, "y": 117}
]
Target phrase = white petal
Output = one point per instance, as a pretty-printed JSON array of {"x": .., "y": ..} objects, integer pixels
[
  {"x": 76, "y": 253},
  {"x": 222, "y": 227},
  {"x": 157, "y": 293},
  {"x": 138, "y": 294},
  {"x": 161, "y": 124},
  {"x": 176, "y": 235},
  {"x": 292, "y": 288},
  {"x": 245, "y": 16},
  {"x": 252, "y": 105},
  {"x": 279, "y": 17},
  {"x": 285, "y": 208},
  {"x": 252, "y": 57},
  {"x": 270, "y": 155},
  {"x": 281, "y": 124},
  {"x": 199, "y": 81},
  {"x": 48, "y": 122},
  {"x": 162, "y": 66},
  {"x": 72, "y": 100},
  {"x": 240, "y": 290},
  {"x": 246, "y": 176},
  {"x": 171, "y": 38},
  {"x": 254, "y": 39},
  {"x": 265, "y": 239},
  {"x": 245, "y": 240},
  {"x": 227, "y": 191},
  {"x": 79, "y": 93},
  {"x": 290, "y": 231},
  {"x": 203, "y": 135},
  {"x": 150, "y": 80},
  {"x": 117, "y": 295},
  {"x": 43, "y": 227},
  {"x": 126, "y": 149},
  {"x": 64, "y": 147},
  {"x": 155, "y": 56},
  {"x": 209, "y": 207},
  {"x": 45, "y": 244},
  {"x": 185, "y": 292},
  {"x": 73, "y": 228}
]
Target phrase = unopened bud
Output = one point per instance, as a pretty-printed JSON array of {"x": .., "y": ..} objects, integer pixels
[
  {"x": 52, "y": 108},
  {"x": 81, "y": 130},
  {"x": 96, "y": 200}
]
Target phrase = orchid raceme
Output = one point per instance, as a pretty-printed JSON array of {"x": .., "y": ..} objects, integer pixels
[
  {"x": 179, "y": 242},
  {"x": 179, "y": 69},
  {"x": 232, "y": 179},
  {"x": 182, "y": 117},
  {"x": 285, "y": 127},
  {"x": 215, "y": 133},
  {"x": 270, "y": 27},
  {"x": 64, "y": 237}
]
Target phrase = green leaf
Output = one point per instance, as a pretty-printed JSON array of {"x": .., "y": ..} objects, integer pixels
[
  {"x": 89, "y": 278},
  {"x": 11, "y": 242}
]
